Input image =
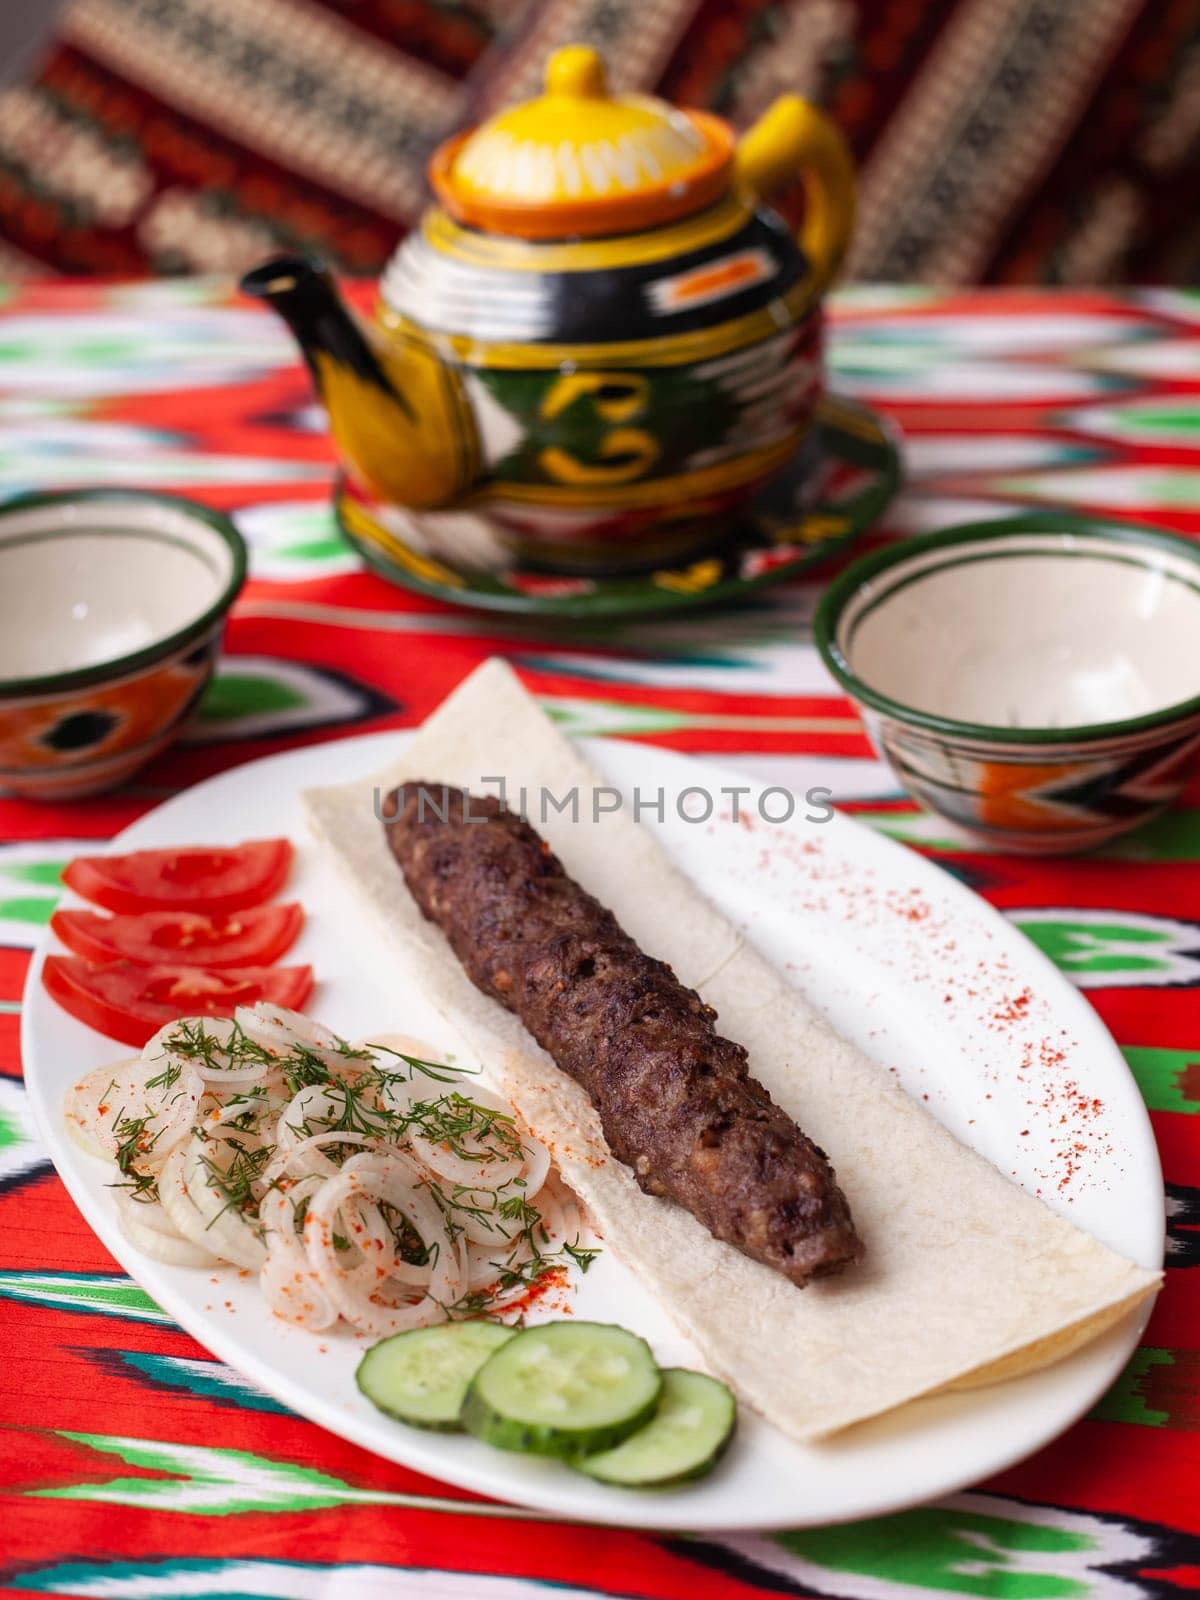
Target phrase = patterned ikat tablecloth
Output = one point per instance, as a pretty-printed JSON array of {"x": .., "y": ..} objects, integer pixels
[{"x": 132, "y": 1464}]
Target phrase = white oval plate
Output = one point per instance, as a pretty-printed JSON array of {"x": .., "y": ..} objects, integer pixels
[{"x": 904, "y": 960}]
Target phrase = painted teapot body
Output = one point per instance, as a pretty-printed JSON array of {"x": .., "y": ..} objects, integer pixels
[{"x": 599, "y": 343}]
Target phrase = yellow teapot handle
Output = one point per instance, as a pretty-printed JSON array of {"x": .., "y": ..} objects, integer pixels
[{"x": 792, "y": 139}]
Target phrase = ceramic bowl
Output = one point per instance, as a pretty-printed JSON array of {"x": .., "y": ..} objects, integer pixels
[
  {"x": 112, "y": 604},
  {"x": 1035, "y": 681}
]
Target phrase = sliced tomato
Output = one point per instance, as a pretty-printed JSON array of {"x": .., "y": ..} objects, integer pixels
[
  {"x": 213, "y": 879},
  {"x": 131, "y": 1003},
  {"x": 252, "y": 938}
]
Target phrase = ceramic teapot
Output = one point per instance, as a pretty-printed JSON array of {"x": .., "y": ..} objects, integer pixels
[{"x": 598, "y": 343}]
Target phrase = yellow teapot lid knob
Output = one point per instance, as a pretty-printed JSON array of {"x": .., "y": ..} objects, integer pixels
[
  {"x": 577, "y": 70},
  {"x": 582, "y": 162}
]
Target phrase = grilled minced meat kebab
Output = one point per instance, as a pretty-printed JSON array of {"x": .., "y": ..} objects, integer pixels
[{"x": 675, "y": 1099}]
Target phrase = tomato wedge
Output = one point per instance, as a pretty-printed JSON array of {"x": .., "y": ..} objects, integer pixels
[
  {"x": 209, "y": 878},
  {"x": 252, "y": 938},
  {"x": 131, "y": 1003}
]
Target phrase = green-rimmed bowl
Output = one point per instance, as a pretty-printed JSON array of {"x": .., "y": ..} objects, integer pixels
[
  {"x": 1035, "y": 680},
  {"x": 112, "y": 605}
]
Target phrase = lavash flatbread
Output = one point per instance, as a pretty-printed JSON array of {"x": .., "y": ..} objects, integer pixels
[{"x": 967, "y": 1279}]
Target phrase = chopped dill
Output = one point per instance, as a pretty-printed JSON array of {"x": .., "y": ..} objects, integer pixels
[
  {"x": 437, "y": 1070},
  {"x": 193, "y": 1042},
  {"x": 134, "y": 1140},
  {"x": 237, "y": 1180},
  {"x": 167, "y": 1078},
  {"x": 581, "y": 1255}
]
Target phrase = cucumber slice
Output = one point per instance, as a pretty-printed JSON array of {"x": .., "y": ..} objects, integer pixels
[
  {"x": 422, "y": 1375},
  {"x": 564, "y": 1389},
  {"x": 684, "y": 1439}
]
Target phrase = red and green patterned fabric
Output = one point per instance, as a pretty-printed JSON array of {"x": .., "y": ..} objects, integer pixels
[
  {"x": 134, "y": 1465},
  {"x": 1007, "y": 141}
]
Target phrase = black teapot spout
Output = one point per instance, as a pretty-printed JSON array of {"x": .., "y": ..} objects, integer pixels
[
  {"x": 304, "y": 294},
  {"x": 395, "y": 411}
]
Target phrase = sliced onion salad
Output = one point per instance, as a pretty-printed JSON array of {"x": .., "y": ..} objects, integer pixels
[{"x": 366, "y": 1183}]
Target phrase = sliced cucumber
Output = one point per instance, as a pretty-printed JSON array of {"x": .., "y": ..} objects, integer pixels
[
  {"x": 684, "y": 1439},
  {"x": 421, "y": 1376},
  {"x": 564, "y": 1389}
]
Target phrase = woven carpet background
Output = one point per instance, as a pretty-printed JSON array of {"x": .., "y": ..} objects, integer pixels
[{"x": 1000, "y": 140}]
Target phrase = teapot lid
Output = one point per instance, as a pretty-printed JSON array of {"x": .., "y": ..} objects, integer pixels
[{"x": 579, "y": 160}]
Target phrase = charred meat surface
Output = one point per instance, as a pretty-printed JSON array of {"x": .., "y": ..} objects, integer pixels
[{"x": 675, "y": 1099}]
